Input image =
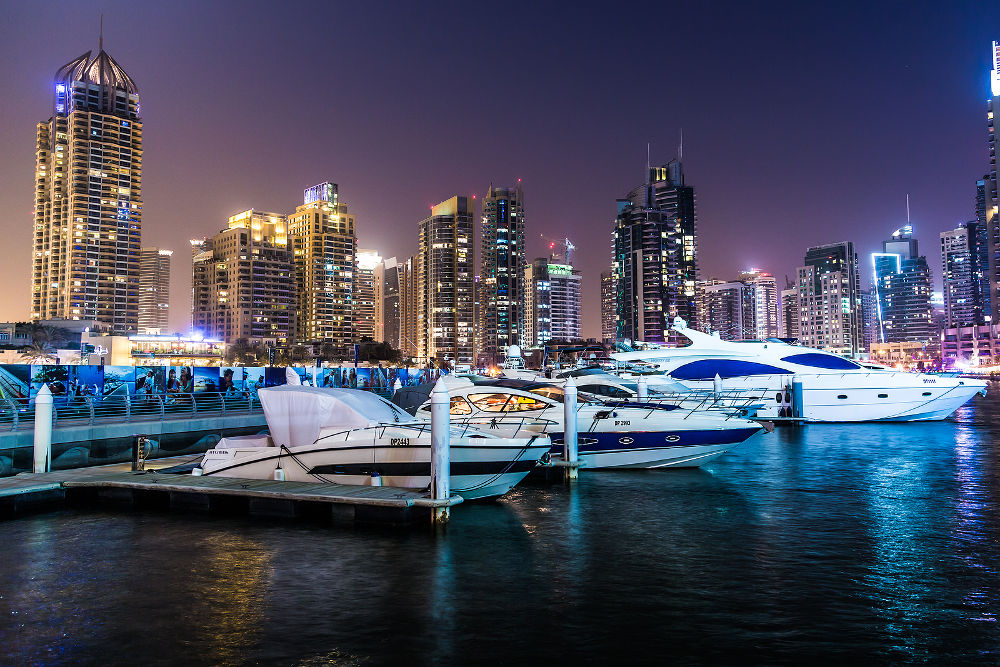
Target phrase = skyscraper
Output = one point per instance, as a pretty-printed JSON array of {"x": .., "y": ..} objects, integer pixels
[
  {"x": 445, "y": 283},
  {"x": 88, "y": 197},
  {"x": 390, "y": 274},
  {"x": 323, "y": 240},
  {"x": 501, "y": 296},
  {"x": 964, "y": 262},
  {"x": 655, "y": 261},
  {"x": 764, "y": 292},
  {"x": 726, "y": 308},
  {"x": 607, "y": 307},
  {"x": 790, "y": 310},
  {"x": 830, "y": 316},
  {"x": 991, "y": 192},
  {"x": 154, "y": 289},
  {"x": 553, "y": 303},
  {"x": 902, "y": 290},
  {"x": 366, "y": 293},
  {"x": 242, "y": 280},
  {"x": 409, "y": 307}
]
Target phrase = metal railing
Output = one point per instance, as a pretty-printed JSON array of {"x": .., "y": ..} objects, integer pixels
[
  {"x": 89, "y": 410},
  {"x": 731, "y": 403},
  {"x": 460, "y": 427}
]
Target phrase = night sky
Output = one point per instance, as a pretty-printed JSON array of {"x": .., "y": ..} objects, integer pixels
[{"x": 804, "y": 123}]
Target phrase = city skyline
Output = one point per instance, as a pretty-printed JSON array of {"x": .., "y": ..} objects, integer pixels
[{"x": 812, "y": 169}]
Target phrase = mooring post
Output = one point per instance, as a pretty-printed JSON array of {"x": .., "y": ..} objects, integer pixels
[
  {"x": 643, "y": 388},
  {"x": 43, "y": 430},
  {"x": 717, "y": 387},
  {"x": 440, "y": 449},
  {"x": 798, "y": 408},
  {"x": 396, "y": 386},
  {"x": 570, "y": 440},
  {"x": 315, "y": 374}
]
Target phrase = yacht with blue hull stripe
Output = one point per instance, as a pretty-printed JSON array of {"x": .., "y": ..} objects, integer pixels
[{"x": 636, "y": 434}]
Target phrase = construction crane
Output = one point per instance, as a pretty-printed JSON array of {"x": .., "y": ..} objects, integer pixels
[{"x": 567, "y": 245}]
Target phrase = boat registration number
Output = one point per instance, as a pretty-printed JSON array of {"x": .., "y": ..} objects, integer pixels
[
  {"x": 399, "y": 442},
  {"x": 623, "y": 423}
]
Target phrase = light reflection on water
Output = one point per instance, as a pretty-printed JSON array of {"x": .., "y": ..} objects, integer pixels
[{"x": 868, "y": 542}]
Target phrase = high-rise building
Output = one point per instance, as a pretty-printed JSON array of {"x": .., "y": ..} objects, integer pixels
[
  {"x": 553, "y": 303},
  {"x": 445, "y": 299},
  {"x": 607, "y": 307},
  {"x": 726, "y": 308},
  {"x": 790, "y": 311},
  {"x": 366, "y": 293},
  {"x": 655, "y": 261},
  {"x": 409, "y": 307},
  {"x": 324, "y": 246},
  {"x": 830, "y": 316},
  {"x": 88, "y": 197},
  {"x": 869, "y": 319},
  {"x": 501, "y": 290},
  {"x": 990, "y": 215},
  {"x": 902, "y": 291},
  {"x": 964, "y": 269},
  {"x": 242, "y": 280},
  {"x": 387, "y": 328},
  {"x": 764, "y": 291},
  {"x": 154, "y": 289}
]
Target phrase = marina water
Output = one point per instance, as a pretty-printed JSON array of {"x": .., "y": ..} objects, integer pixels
[{"x": 860, "y": 542}]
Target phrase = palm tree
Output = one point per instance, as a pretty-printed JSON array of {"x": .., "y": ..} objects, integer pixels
[{"x": 40, "y": 352}]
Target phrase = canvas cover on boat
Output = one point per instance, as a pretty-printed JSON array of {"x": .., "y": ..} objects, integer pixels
[{"x": 296, "y": 413}]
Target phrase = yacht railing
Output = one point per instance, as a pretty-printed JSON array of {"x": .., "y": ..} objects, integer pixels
[
  {"x": 732, "y": 403},
  {"x": 460, "y": 427}
]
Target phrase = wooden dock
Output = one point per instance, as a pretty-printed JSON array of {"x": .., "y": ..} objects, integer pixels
[{"x": 118, "y": 485}]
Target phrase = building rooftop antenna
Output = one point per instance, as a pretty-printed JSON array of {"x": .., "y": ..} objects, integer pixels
[
  {"x": 100, "y": 38},
  {"x": 680, "y": 148},
  {"x": 907, "y": 208}
]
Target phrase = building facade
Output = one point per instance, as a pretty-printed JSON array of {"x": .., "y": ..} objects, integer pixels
[
  {"x": 764, "y": 290},
  {"x": 790, "y": 311},
  {"x": 501, "y": 293},
  {"x": 366, "y": 293},
  {"x": 324, "y": 247},
  {"x": 964, "y": 271},
  {"x": 654, "y": 256},
  {"x": 553, "y": 303},
  {"x": 726, "y": 308},
  {"x": 829, "y": 296},
  {"x": 388, "y": 321},
  {"x": 990, "y": 192},
  {"x": 902, "y": 290},
  {"x": 409, "y": 307},
  {"x": 445, "y": 299},
  {"x": 243, "y": 281},
  {"x": 154, "y": 289},
  {"x": 88, "y": 197}
]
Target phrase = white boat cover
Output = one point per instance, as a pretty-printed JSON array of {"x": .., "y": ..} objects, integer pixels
[
  {"x": 296, "y": 413},
  {"x": 243, "y": 441}
]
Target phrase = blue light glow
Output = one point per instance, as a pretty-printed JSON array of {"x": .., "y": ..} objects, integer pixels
[{"x": 61, "y": 88}]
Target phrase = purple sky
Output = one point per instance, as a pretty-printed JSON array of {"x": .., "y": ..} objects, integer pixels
[{"x": 804, "y": 123}]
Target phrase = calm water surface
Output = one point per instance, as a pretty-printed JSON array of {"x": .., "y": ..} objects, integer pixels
[{"x": 872, "y": 542}]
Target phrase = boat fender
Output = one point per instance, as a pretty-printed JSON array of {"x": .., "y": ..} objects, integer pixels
[
  {"x": 279, "y": 475},
  {"x": 376, "y": 479}
]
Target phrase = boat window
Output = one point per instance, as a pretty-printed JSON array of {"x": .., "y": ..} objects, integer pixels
[
  {"x": 605, "y": 390},
  {"x": 883, "y": 395},
  {"x": 819, "y": 360},
  {"x": 707, "y": 369},
  {"x": 555, "y": 393},
  {"x": 842, "y": 396},
  {"x": 489, "y": 402},
  {"x": 460, "y": 406},
  {"x": 524, "y": 403},
  {"x": 926, "y": 393}
]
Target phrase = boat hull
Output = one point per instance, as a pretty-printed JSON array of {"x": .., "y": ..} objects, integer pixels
[
  {"x": 653, "y": 449},
  {"x": 479, "y": 470}
]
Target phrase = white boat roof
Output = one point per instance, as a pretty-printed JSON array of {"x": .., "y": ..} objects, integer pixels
[
  {"x": 296, "y": 413},
  {"x": 705, "y": 345}
]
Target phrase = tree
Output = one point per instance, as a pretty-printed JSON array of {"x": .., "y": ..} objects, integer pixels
[
  {"x": 244, "y": 353},
  {"x": 38, "y": 353}
]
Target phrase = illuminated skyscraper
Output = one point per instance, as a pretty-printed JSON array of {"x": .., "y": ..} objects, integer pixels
[
  {"x": 553, "y": 302},
  {"x": 830, "y": 310},
  {"x": 964, "y": 262},
  {"x": 324, "y": 246},
  {"x": 990, "y": 197},
  {"x": 88, "y": 197},
  {"x": 607, "y": 307},
  {"x": 501, "y": 293},
  {"x": 387, "y": 319},
  {"x": 445, "y": 283},
  {"x": 655, "y": 261},
  {"x": 242, "y": 284},
  {"x": 154, "y": 289},
  {"x": 902, "y": 291},
  {"x": 409, "y": 306}
]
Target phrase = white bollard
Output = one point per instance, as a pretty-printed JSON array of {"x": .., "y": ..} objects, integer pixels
[
  {"x": 315, "y": 375},
  {"x": 440, "y": 448},
  {"x": 396, "y": 386},
  {"x": 43, "y": 430},
  {"x": 643, "y": 388},
  {"x": 570, "y": 439},
  {"x": 717, "y": 387}
]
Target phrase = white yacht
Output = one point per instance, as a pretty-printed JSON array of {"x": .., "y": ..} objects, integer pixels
[
  {"x": 834, "y": 389},
  {"x": 347, "y": 436},
  {"x": 624, "y": 435}
]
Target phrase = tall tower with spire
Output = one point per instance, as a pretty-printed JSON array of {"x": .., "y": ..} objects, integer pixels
[{"x": 88, "y": 197}]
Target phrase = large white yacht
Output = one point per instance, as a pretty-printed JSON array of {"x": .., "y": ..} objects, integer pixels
[
  {"x": 623, "y": 435},
  {"x": 834, "y": 389},
  {"x": 347, "y": 436}
]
